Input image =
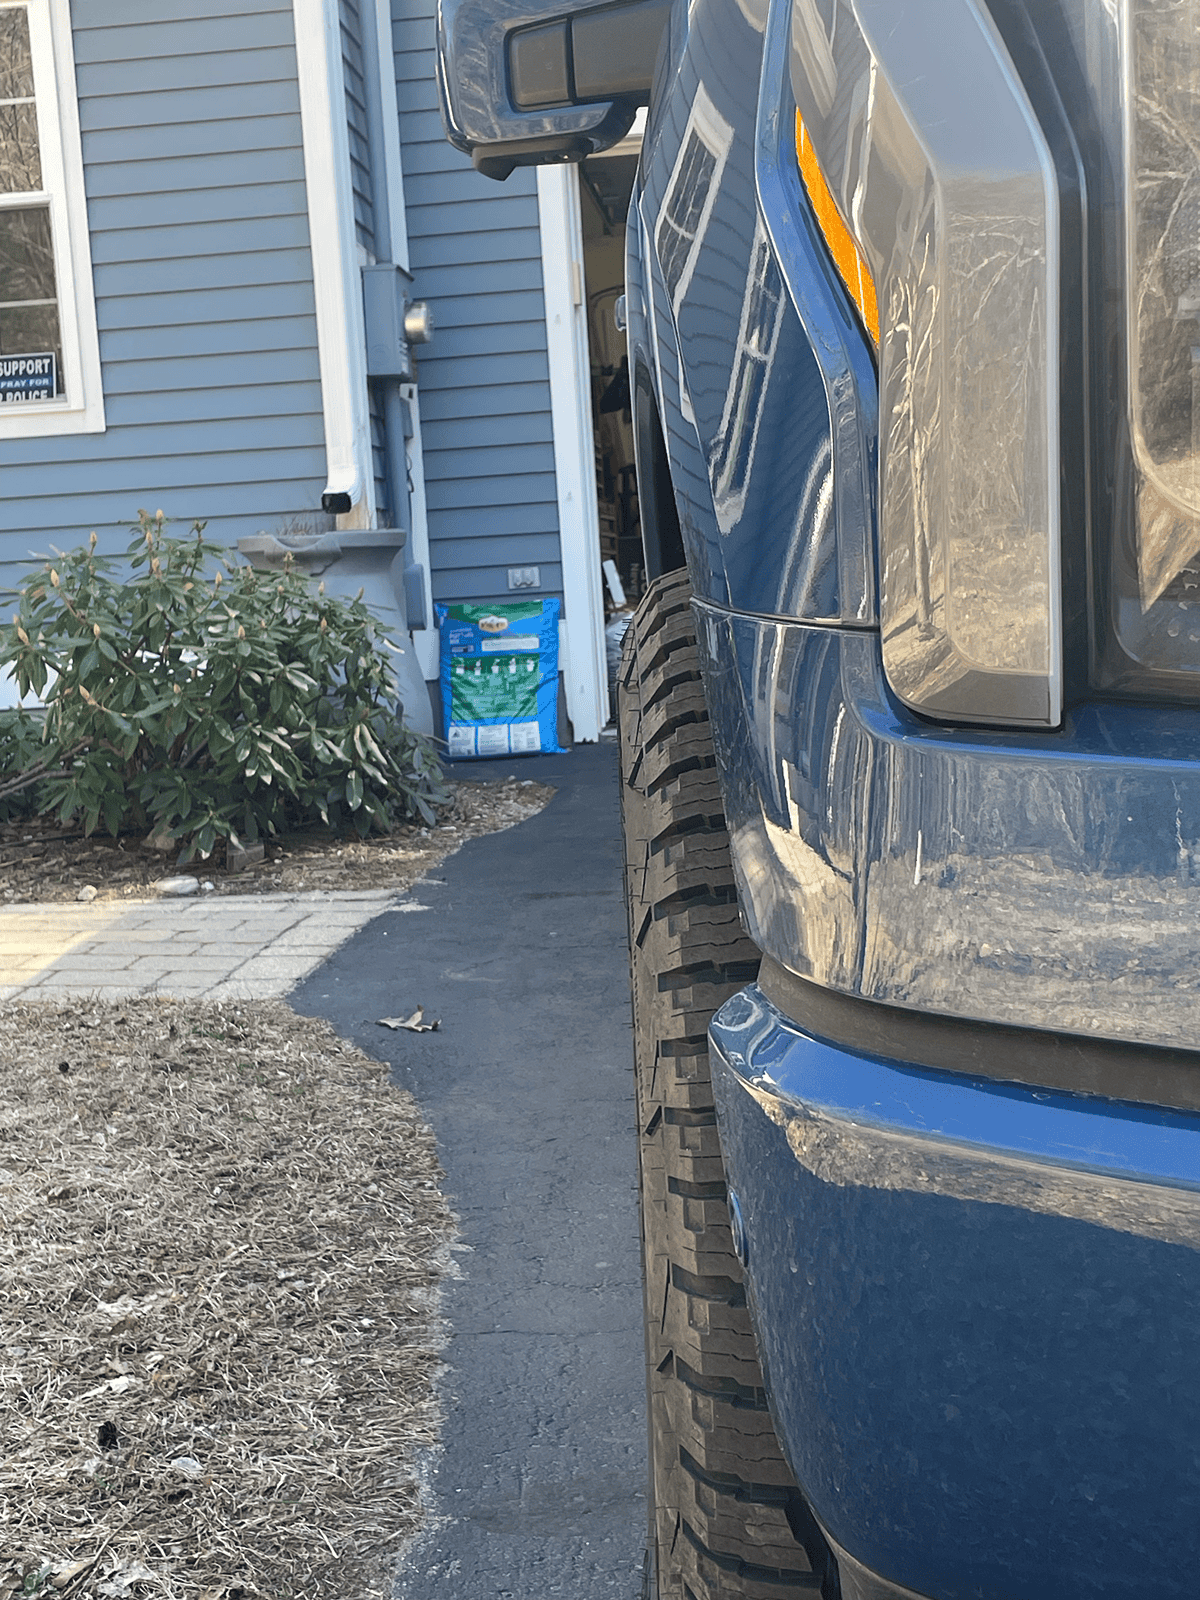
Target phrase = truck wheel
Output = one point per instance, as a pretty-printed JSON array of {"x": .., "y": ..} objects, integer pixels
[{"x": 726, "y": 1517}]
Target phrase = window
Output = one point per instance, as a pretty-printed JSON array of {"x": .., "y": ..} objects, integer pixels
[{"x": 49, "y": 353}]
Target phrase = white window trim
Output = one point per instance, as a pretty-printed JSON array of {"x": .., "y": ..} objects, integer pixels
[
  {"x": 333, "y": 244},
  {"x": 82, "y": 408},
  {"x": 393, "y": 165}
]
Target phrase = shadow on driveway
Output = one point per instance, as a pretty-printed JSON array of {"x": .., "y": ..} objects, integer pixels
[{"x": 540, "y": 1490}]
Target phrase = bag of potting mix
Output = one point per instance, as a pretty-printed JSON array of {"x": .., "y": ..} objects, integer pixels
[{"x": 499, "y": 676}]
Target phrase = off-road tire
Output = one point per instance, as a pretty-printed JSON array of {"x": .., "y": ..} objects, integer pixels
[{"x": 726, "y": 1517}]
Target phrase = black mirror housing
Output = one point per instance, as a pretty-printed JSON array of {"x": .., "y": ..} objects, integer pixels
[{"x": 527, "y": 85}]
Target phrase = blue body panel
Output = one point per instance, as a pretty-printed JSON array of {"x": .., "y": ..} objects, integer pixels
[
  {"x": 979, "y": 1309},
  {"x": 748, "y": 430},
  {"x": 1046, "y": 879},
  {"x": 977, "y": 1303},
  {"x": 1049, "y": 883}
]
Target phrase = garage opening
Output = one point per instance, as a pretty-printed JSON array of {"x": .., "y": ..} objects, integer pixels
[{"x": 605, "y": 187}]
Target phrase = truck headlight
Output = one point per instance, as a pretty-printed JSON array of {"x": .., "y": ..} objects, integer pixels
[{"x": 945, "y": 186}]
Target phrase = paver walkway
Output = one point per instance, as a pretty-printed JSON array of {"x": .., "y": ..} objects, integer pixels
[{"x": 235, "y": 947}]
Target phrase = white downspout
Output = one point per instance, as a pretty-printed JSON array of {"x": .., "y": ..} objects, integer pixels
[{"x": 341, "y": 338}]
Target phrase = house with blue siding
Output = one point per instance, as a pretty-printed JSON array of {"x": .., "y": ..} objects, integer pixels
[{"x": 226, "y": 227}]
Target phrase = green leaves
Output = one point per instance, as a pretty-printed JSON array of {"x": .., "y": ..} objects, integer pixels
[{"x": 183, "y": 691}]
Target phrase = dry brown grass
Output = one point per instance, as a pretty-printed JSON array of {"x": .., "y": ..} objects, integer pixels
[{"x": 221, "y": 1238}]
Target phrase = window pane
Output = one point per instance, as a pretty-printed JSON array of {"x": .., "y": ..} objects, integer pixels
[
  {"x": 26, "y": 255},
  {"x": 30, "y": 331},
  {"x": 20, "y": 162},
  {"x": 16, "y": 65}
]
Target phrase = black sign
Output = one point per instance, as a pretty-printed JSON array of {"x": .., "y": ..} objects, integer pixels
[{"x": 24, "y": 378}]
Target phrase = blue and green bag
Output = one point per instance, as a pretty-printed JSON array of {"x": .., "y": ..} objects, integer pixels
[{"x": 499, "y": 677}]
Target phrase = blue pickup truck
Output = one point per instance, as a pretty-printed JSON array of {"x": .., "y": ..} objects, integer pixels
[{"x": 910, "y": 725}]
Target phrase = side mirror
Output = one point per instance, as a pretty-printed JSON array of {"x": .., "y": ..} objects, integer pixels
[{"x": 523, "y": 84}]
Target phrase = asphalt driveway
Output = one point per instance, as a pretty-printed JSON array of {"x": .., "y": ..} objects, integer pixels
[{"x": 540, "y": 1487}]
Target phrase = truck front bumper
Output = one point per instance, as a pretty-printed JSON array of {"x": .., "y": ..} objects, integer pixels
[{"x": 978, "y": 1309}]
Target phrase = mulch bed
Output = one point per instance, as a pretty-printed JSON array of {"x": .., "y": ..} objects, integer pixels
[
  {"x": 40, "y": 862},
  {"x": 220, "y": 1238}
]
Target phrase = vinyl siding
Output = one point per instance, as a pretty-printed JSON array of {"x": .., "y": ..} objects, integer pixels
[
  {"x": 379, "y": 467},
  {"x": 484, "y": 390},
  {"x": 353, "y": 16},
  {"x": 357, "y": 127},
  {"x": 197, "y": 208}
]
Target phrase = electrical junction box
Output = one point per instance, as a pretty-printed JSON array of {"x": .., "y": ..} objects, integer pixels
[
  {"x": 385, "y": 301},
  {"x": 524, "y": 578}
]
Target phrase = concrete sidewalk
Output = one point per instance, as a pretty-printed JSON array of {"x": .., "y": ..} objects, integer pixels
[{"x": 234, "y": 947}]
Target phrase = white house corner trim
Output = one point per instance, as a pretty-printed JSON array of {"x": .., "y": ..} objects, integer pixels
[
  {"x": 337, "y": 277},
  {"x": 392, "y": 156},
  {"x": 585, "y": 678}
]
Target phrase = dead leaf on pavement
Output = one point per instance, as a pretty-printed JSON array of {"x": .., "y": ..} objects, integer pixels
[{"x": 415, "y": 1024}]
